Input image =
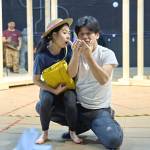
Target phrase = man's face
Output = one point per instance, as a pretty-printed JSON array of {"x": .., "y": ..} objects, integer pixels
[
  {"x": 11, "y": 25},
  {"x": 87, "y": 35}
]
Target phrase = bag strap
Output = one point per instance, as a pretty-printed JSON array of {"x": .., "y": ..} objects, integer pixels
[{"x": 66, "y": 51}]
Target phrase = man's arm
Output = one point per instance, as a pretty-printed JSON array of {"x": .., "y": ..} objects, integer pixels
[
  {"x": 4, "y": 39},
  {"x": 101, "y": 73},
  {"x": 20, "y": 42}
]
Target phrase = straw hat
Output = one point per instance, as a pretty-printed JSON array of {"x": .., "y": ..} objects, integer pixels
[{"x": 56, "y": 23}]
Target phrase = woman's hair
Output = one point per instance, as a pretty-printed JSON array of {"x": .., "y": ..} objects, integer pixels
[
  {"x": 44, "y": 41},
  {"x": 89, "y": 22}
]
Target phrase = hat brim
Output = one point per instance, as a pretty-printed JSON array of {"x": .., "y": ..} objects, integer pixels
[{"x": 65, "y": 21}]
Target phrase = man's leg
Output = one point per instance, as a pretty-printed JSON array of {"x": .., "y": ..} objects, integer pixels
[
  {"x": 16, "y": 61},
  {"x": 8, "y": 57},
  {"x": 81, "y": 128},
  {"x": 107, "y": 130}
]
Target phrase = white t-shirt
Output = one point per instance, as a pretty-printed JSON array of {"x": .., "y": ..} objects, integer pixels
[{"x": 90, "y": 93}]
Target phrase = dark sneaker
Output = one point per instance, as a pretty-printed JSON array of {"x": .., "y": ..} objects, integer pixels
[{"x": 66, "y": 135}]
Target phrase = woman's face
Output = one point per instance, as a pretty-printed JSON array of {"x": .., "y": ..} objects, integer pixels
[{"x": 62, "y": 37}]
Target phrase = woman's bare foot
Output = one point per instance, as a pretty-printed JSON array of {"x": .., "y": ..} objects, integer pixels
[
  {"x": 75, "y": 138},
  {"x": 43, "y": 138}
]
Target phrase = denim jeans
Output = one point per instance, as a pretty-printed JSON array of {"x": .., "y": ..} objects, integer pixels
[
  {"x": 100, "y": 121},
  {"x": 107, "y": 130},
  {"x": 66, "y": 101}
]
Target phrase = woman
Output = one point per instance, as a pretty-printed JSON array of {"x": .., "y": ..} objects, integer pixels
[{"x": 50, "y": 50}]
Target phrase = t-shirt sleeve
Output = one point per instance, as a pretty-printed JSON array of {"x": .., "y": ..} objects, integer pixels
[
  {"x": 110, "y": 58},
  {"x": 19, "y": 33},
  {"x": 38, "y": 66},
  {"x": 5, "y": 34}
]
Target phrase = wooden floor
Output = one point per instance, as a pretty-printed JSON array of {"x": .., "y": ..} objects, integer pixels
[
  {"x": 131, "y": 103},
  {"x": 126, "y": 100}
]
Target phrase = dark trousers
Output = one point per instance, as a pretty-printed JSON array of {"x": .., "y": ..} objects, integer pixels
[
  {"x": 48, "y": 102},
  {"x": 100, "y": 121}
]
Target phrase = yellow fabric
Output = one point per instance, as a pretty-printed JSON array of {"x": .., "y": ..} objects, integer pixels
[{"x": 57, "y": 74}]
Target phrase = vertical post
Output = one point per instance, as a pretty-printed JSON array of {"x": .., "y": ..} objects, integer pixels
[
  {"x": 54, "y": 10},
  {"x": 47, "y": 12},
  {"x": 1, "y": 42},
  {"x": 125, "y": 80},
  {"x": 126, "y": 46},
  {"x": 30, "y": 36},
  {"x": 140, "y": 38}
]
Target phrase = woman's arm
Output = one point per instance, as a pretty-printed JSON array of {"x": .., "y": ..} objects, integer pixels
[
  {"x": 74, "y": 62},
  {"x": 37, "y": 80}
]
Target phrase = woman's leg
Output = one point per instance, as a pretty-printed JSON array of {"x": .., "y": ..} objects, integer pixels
[
  {"x": 45, "y": 107},
  {"x": 71, "y": 114},
  {"x": 70, "y": 109}
]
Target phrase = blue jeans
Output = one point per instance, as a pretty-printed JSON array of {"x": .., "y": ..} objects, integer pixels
[
  {"x": 49, "y": 101},
  {"x": 107, "y": 130},
  {"x": 100, "y": 121}
]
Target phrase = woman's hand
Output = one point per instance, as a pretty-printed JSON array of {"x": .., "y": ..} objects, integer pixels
[
  {"x": 60, "y": 88},
  {"x": 77, "y": 47},
  {"x": 80, "y": 46}
]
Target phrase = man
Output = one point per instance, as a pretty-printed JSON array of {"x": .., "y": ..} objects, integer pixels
[
  {"x": 12, "y": 45},
  {"x": 93, "y": 66}
]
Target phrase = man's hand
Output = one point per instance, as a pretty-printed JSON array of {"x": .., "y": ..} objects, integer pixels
[
  {"x": 18, "y": 48},
  {"x": 87, "y": 49}
]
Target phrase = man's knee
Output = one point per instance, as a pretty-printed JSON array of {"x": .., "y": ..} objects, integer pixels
[
  {"x": 107, "y": 130},
  {"x": 113, "y": 141}
]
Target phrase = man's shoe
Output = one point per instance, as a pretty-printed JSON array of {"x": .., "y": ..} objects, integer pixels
[{"x": 66, "y": 135}]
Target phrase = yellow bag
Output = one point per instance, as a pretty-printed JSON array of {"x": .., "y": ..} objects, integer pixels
[{"x": 57, "y": 74}]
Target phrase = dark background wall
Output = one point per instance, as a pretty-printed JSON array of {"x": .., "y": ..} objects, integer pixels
[{"x": 108, "y": 15}]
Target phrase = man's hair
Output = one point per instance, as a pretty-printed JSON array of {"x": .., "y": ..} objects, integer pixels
[{"x": 89, "y": 22}]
